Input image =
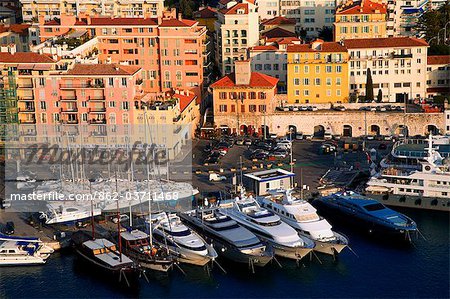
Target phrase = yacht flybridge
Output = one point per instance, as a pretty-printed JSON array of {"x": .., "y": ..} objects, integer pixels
[
  {"x": 268, "y": 227},
  {"x": 303, "y": 217}
]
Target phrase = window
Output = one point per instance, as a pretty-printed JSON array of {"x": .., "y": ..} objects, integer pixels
[
  {"x": 338, "y": 69},
  {"x": 328, "y": 68},
  {"x": 317, "y": 81},
  {"x": 305, "y": 81},
  {"x": 306, "y": 92},
  {"x": 222, "y": 95},
  {"x": 252, "y": 108},
  {"x": 124, "y": 81},
  {"x": 296, "y": 81},
  {"x": 125, "y": 106},
  {"x": 328, "y": 81},
  {"x": 222, "y": 108},
  {"x": 111, "y": 81},
  {"x": 338, "y": 81},
  {"x": 306, "y": 69}
]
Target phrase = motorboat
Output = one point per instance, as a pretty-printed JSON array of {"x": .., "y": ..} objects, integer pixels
[
  {"x": 303, "y": 217},
  {"x": 284, "y": 240},
  {"x": 369, "y": 214},
  {"x": 67, "y": 213},
  {"x": 21, "y": 251},
  {"x": 149, "y": 255},
  {"x": 103, "y": 254},
  {"x": 183, "y": 243},
  {"x": 231, "y": 240}
]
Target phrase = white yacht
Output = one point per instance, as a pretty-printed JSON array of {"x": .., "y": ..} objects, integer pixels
[
  {"x": 428, "y": 184},
  {"x": 303, "y": 217},
  {"x": 20, "y": 251},
  {"x": 183, "y": 243},
  {"x": 284, "y": 240},
  {"x": 67, "y": 213}
]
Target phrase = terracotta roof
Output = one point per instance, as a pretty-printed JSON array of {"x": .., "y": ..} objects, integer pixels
[
  {"x": 206, "y": 13},
  {"x": 278, "y": 21},
  {"x": 362, "y": 7},
  {"x": 21, "y": 29},
  {"x": 256, "y": 80},
  {"x": 122, "y": 21},
  {"x": 438, "y": 59},
  {"x": 278, "y": 32},
  {"x": 24, "y": 57},
  {"x": 384, "y": 42},
  {"x": 264, "y": 48},
  {"x": 325, "y": 47},
  {"x": 103, "y": 69},
  {"x": 185, "y": 100},
  {"x": 54, "y": 22},
  {"x": 283, "y": 40},
  {"x": 177, "y": 23},
  {"x": 233, "y": 10}
]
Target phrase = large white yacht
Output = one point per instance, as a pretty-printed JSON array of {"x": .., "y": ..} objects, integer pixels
[
  {"x": 430, "y": 181},
  {"x": 284, "y": 240},
  {"x": 183, "y": 243},
  {"x": 303, "y": 217},
  {"x": 20, "y": 251}
]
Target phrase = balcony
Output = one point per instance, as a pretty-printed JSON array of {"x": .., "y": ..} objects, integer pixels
[
  {"x": 139, "y": 81},
  {"x": 97, "y": 110},
  {"x": 98, "y": 98},
  {"x": 67, "y": 98},
  {"x": 69, "y": 109},
  {"x": 26, "y": 98},
  {"x": 97, "y": 121},
  {"x": 25, "y": 86},
  {"x": 27, "y": 109},
  {"x": 402, "y": 56},
  {"x": 85, "y": 85},
  {"x": 27, "y": 121},
  {"x": 70, "y": 121}
]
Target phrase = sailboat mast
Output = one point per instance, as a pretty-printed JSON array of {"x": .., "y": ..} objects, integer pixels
[
  {"x": 92, "y": 213},
  {"x": 150, "y": 235},
  {"x": 118, "y": 222}
]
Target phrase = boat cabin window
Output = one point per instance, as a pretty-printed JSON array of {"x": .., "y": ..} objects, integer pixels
[
  {"x": 374, "y": 207},
  {"x": 182, "y": 233},
  {"x": 71, "y": 209}
]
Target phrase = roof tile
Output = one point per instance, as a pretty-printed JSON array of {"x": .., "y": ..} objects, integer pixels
[
  {"x": 256, "y": 80},
  {"x": 384, "y": 42},
  {"x": 438, "y": 59},
  {"x": 24, "y": 57}
]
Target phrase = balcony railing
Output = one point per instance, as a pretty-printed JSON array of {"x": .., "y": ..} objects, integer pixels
[
  {"x": 85, "y": 85},
  {"x": 26, "y": 98},
  {"x": 23, "y": 86},
  {"x": 70, "y": 121},
  {"x": 72, "y": 98},
  {"x": 402, "y": 55},
  {"x": 97, "y": 121},
  {"x": 102, "y": 98},
  {"x": 27, "y": 109},
  {"x": 69, "y": 109},
  {"x": 27, "y": 121},
  {"x": 97, "y": 110}
]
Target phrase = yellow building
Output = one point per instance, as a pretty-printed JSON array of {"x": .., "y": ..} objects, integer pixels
[
  {"x": 361, "y": 19},
  {"x": 317, "y": 73}
]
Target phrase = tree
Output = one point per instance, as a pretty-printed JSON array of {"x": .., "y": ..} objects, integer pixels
[
  {"x": 186, "y": 8},
  {"x": 326, "y": 33},
  {"x": 369, "y": 86},
  {"x": 379, "y": 96},
  {"x": 303, "y": 33},
  {"x": 432, "y": 21}
]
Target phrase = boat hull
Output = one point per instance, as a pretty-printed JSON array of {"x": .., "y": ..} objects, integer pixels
[
  {"x": 189, "y": 257},
  {"x": 25, "y": 261},
  {"x": 293, "y": 253},
  {"x": 411, "y": 201},
  {"x": 329, "y": 248},
  {"x": 161, "y": 265}
]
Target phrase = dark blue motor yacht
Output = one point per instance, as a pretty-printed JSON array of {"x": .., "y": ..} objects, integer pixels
[{"x": 367, "y": 213}]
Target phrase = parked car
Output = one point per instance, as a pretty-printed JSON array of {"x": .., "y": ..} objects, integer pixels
[
  {"x": 327, "y": 136},
  {"x": 312, "y": 108},
  {"x": 308, "y": 137},
  {"x": 332, "y": 147},
  {"x": 216, "y": 178},
  {"x": 211, "y": 160},
  {"x": 121, "y": 218},
  {"x": 247, "y": 142},
  {"x": 299, "y": 136},
  {"x": 339, "y": 108},
  {"x": 239, "y": 142},
  {"x": 337, "y": 137},
  {"x": 9, "y": 228},
  {"x": 279, "y": 154},
  {"x": 208, "y": 148},
  {"x": 263, "y": 145},
  {"x": 370, "y": 137},
  {"x": 382, "y": 146},
  {"x": 387, "y": 137},
  {"x": 273, "y": 135},
  {"x": 259, "y": 156}
]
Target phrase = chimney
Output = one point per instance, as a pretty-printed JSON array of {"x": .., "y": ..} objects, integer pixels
[
  {"x": 180, "y": 16},
  {"x": 242, "y": 72}
]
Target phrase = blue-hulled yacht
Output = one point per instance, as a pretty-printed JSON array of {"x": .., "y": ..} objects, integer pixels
[{"x": 368, "y": 213}]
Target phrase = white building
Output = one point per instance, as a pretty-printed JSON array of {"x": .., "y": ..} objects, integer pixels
[
  {"x": 236, "y": 30},
  {"x": 310, "y": 15},
  {"x": 271, "y": 59},
  {"x": 267, "y": 9},
  {"x": 438, "y": 75},
  {"x": 447, "y": 121},
  {"x": 398, "y": 67}
]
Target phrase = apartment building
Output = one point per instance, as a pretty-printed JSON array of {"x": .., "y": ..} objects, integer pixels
[
  {"x": 268, "y": 9},
  {"x": 16, "y": 37},
  {"x": 206, "y": 16},
  {"x": 50, "y": 9},
  {"x": 237, "y": 29},
  {"x": 438, "y": 75},
  {"x": 242, "y": 99},
  {"x": 271, "y": 59},
  {"x": 311, "y": 16},
  {"x": 361, "y": 19},
  {"x": 170, "y": 50},
  {"x": 317, "y": 73},
  {"x": 398, "y": 67}
]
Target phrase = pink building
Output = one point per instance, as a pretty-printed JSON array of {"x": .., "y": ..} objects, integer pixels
[{"x": 169, "y": 50}]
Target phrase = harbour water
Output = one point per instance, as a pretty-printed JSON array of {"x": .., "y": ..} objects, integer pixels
[{"x": 380, "y": 270}]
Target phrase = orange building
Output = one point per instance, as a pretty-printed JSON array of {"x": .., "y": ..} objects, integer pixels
[{"x": 242, "y": 99}]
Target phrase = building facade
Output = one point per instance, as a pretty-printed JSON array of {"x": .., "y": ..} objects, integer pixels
[
  {"x": 363, "y": 19},
  {"x": 438, "y": 75},
  {"x": 267, "y": 9},
  {"x": 311, "y": 16},
  {"x": 241, "y": 100},
  {"x": 50, "y": 9},
  {"x": 17, "y": 37},
  {"x": 236, "y": 30},
  {"x": 398, "y": 67},
  {"x": 317, "y": 73},
  {"x": 170, "y": 50},
  {"x": 271, "y": 59}
]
